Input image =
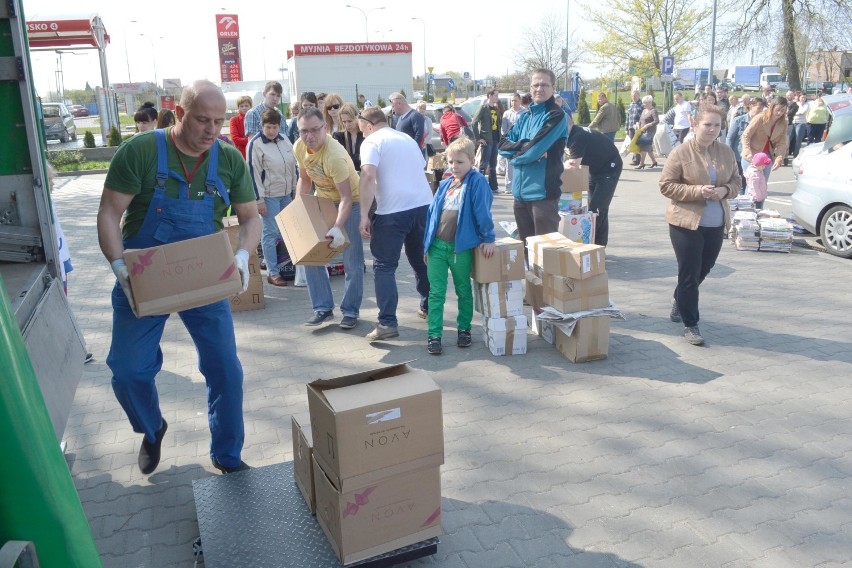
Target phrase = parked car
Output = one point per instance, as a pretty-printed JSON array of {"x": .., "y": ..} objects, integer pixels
[
  {"x": 781, "y": 87},
  {"x": 78, "y": 111},
  {"x": 434, "y": 112},
  {"x": 468, "y": 108},
  {"x": 839, "y": 130},
  {"x": 58, "y": 122}
]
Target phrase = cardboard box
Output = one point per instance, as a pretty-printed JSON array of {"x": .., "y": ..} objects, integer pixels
[
  {"x": 505, "y": 336},
  {"x": 507, "y": 262},
  {"x": 536, "y": 245},
  {"x": 534, "y": 291},
  {"x": 303, "y": 465},
  {"x": 499, "y": 299},
  {"x": 178, "y": 276},
  {"x": 252, "y": 298},
  {"x": 575, "y": 179},
  {"x": 580, "y": 228},
  {"x": 588, "y": 342},
  {"x": 376, "y": 424},
  {"x": 575, "y": 260},
  {"x": 303, "y": 225},
  {"x": 383, "y": 516},
  {"x": 569, "y": 295}
]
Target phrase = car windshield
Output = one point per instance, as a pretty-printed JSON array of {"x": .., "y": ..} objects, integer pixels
[
  {"x": 51, "y": 111},
  {"x": 840, "y": 131}
]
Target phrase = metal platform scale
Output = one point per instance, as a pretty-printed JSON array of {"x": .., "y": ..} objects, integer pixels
[{"x": 259, "y": 518}]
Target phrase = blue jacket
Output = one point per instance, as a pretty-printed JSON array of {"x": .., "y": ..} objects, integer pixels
[
  {"x": 735, "y": 133},
  {"x": 475, "y": 225},
  {"x": 535, "y": 146}
]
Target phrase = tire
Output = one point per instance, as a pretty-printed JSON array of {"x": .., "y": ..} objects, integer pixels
[{"x": 836, "y": 231}]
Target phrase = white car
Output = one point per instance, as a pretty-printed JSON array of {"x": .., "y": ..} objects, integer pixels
[
  {"x": 822, "y": 202},
  {"x": 840, "y": 130}
]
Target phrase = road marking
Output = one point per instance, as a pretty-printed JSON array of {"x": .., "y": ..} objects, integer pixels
[
  {"x": 780, "y": 201},
  {"x": 777, "y": 182}
]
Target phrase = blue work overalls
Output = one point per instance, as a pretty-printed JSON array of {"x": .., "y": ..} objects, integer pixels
[{"x": 135, "y": 356}]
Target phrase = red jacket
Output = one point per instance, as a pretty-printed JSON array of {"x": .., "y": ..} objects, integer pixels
[
  {"x": 238, "y": 133},
  {"x": 451, "y": 126}
]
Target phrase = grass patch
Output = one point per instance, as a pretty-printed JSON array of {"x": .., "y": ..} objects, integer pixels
[{"x": 82, "y": 166}]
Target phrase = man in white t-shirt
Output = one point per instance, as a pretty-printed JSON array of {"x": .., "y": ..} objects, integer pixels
[
  {"x": 683, "y": 114},
  {"x": 392, "y": 172}
]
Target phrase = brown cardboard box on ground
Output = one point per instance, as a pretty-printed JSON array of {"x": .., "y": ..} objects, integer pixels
[
  {"x": 499, "y": 299},
  {"x": 569, "y": 295},
  {"x": 303, "y": 465},
  {"x": 588, "y": 342},
  {"x": 252, "y": 298},
  {"x": 505, "y": 336},
  {"x": 534, "y": 290},
  {"x": 536, "y": 245},
  {"x": 575, "y": 260},
  {"x": 575, "y": 179},
  {"x": 507, "y": 262},
  {"x": 178, "y": 276},
  {"x": 304, "y": 224},
  {"x": 380, "y": 517},
  {"x": 376, "y": 424}
]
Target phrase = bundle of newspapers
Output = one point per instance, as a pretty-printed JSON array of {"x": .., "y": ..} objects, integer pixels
[
  {"x": 741, "y": 203},
  {"x": 776, "y": 234},
  {"x": 745, "y": 231}
]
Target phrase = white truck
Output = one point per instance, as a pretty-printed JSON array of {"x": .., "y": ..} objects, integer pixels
[{"x": 374, "y": 69}]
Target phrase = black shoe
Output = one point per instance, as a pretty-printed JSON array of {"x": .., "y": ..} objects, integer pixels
[
  {"x": 433, "y": 346},
  {"x": 318, "y": 318},
  {"x": 348, "y": 322},
  {"x": 693, "y": 336},
  {"x": 226, "y": 470},
  {"x": 675, "y": 315},
  {"x": 149, "y": 454},
  {"x": 464, "y": 339},
  {"x": 89, "y": 358}
]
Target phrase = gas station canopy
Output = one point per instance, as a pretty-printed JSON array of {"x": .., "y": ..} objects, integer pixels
[{"x": 72, "y": 31}]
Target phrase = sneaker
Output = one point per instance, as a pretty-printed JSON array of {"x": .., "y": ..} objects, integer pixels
[
  {"x": 464, "y": 339},
  {"x": 89, "y": 358},
  {"x": 348, "y": 322},
  {"x": 149, "y": 453},
  {"x": 693, "y": 336},
  {"x": 675, "y": 314},
  {"x": 318, "y": 318},
  {"x": 422, "y": 314},
  {"x": 383, "y": 332},
  {"x": 226, "y": 470},
  {"x": 433, "y": 346}
]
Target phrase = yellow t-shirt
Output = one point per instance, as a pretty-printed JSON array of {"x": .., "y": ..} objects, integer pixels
[{"x": 328, "y": 167}]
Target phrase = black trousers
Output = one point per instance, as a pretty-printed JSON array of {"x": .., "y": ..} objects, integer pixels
[
  {"x": 601, "y": 191},
  {"x": 696, "y": 252}
]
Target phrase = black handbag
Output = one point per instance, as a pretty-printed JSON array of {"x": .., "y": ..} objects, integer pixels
[{"x": 645, "y": 139}]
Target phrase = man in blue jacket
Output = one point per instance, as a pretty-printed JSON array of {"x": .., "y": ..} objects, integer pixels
[{"x": 534, "y": 148}]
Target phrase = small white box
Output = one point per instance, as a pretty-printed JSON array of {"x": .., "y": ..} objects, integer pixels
[
  {"x": 505, "y": 336},
  {"x": 499, "y": 299}
]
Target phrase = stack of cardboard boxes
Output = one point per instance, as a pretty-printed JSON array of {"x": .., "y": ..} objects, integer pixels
[
  {"x": 569, "y": 277},
  {"x": 367, "y": 460},
  {"x": 252, "y": 298},
  {"x": 499, "y": 297}
]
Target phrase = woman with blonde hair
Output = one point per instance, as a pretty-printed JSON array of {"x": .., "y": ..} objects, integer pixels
[
  {"x": 350, "y": 135},
  {"x": 767, "y": 133},
  {"x": 330, "y": 111}
]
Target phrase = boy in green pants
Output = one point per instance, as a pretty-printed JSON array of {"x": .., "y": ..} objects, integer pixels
[{"x": 459, "y": 220}]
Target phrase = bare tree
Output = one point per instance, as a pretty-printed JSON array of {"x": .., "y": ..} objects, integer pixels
[{"x": 543, "y": 45}]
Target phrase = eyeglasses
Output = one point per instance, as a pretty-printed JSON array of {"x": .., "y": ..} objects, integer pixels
[
  {"x": 306, "y": 131},
  {"x": 541, "y": 85},
  {"x": 335, "y": 106},
  {"x": 367, "y": 120}
]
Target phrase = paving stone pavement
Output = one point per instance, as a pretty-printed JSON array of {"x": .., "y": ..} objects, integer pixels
[{"x": 736, "y": 454}]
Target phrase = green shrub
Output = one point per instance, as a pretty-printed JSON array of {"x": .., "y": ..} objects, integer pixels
[
  {"x": 88, "y": 139},
  {"x": 114, "y": 136},
  {"x": 66, "y": 157},
  {"x": 381, "y": 102},
  {"x": 584, "y": 117},
  {"x": 402, "y": 92},
  {"x": 622, "y": 112}
]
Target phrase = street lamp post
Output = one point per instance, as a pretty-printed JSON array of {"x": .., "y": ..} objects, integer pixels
[
  {"x": 154, "y": 61},
  {"x": 263, "y": 51},
  {"x": 425, "y": 69},
  {"x": 365, "y": 14},
  {"x": 474, "y": 64}
]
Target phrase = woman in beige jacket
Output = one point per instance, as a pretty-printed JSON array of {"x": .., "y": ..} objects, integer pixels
[
  {"x": 767, "y": 133},
  {"x": 699, "y": 176}
]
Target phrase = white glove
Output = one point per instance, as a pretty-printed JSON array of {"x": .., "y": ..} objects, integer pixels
[
  {"x": 119, "y": 268},
  {"x": 336, "y": 236},
  {"x": 241, "y": 257}
]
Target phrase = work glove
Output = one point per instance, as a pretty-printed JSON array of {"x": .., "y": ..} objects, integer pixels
[
  {"x": 336, "y": 236},
  {"x": 241, "y": 257},
  {"x": 119, "y": 268}
]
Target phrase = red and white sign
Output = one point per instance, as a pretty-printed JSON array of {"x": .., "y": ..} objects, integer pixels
[
  {"x": 227, "y": 26},
  {"x": 351, "y": 48},
  {"x": 167, "y": 102},
  {"x": 62, "y": 33}
]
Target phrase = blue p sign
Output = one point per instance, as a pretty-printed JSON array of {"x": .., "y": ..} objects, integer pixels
[{"x": 668, "y": 65}]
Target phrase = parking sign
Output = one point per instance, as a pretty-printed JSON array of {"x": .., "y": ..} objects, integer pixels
[{"x": 668, "y": 65}]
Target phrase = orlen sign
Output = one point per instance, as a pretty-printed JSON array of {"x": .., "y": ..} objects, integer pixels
[{"x": 227, "y": 26}]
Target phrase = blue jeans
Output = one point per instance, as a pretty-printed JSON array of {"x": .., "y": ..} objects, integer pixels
[
  {"x": 390, "y": 233},
  {"x": 319, "y": 286},
  {"x": 610, "y": 135},
  {"x": 271, "y": 234},
  {"x": 800, "y": 130},
  {"x": 696, "y": 252},
  {"x": 489, "y": 160}
]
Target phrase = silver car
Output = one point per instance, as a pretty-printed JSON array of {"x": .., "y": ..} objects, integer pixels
[{"x": 58, "y": 122}]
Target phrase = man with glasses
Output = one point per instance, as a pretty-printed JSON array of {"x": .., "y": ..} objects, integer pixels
[
  {"x": 325, "y": 165},
  {"x": 271, "y": 97},
  {"x": 405, "y": 119},
  {"x": 392, "y": 172},
  {"x": 534, "y": 148}
]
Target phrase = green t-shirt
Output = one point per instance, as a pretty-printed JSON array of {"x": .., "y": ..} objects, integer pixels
[{"x": 133, "y": 170}]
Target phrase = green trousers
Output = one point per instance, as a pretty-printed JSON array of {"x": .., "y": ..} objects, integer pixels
[{"x": 440, "y": 258}]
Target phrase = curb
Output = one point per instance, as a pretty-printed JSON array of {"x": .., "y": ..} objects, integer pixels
[{"x": 80, "y": 173}]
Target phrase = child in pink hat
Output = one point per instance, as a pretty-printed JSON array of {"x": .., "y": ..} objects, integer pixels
[{"x": 755, "y": 180}]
